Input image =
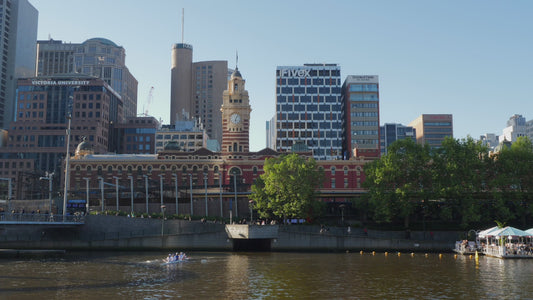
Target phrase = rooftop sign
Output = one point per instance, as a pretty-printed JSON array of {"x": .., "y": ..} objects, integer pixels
[
  {"x": 362, "y": 78},
  {"x": 60, "y": 82}
]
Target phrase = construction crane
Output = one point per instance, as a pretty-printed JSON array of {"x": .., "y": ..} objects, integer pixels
[{"x": 149, "y": 100}]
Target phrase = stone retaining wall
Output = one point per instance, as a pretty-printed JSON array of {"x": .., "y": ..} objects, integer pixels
[{"x": 101, "y": 232}]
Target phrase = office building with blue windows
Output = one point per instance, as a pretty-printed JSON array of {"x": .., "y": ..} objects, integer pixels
[
  {"x": 18, "y": 33},
  {"x": 360, "y": 96},
  {"x": 391, "y": 132},
  {"x": 308, "y": 109}
]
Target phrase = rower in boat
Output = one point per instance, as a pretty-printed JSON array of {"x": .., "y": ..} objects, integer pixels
[{"x": 177, "y": 257}]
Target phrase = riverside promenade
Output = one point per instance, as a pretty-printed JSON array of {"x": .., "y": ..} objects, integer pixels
[{"x": 102, "y": 232}]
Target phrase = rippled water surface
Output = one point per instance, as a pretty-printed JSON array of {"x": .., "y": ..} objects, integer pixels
[{"x": 127, "y": 275}]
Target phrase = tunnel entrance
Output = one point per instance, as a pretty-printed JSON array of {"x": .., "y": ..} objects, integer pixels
[{"x": 252, "y": 245}]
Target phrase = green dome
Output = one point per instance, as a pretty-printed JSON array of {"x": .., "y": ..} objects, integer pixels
[
  {"x": 84, "y": 147},
  {"x": 103, "y": 41}
]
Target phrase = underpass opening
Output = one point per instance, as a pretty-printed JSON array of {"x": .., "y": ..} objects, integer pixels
[{"x": 252, "y": 245}]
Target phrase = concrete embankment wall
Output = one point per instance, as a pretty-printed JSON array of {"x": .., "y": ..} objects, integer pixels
[
  {"x": 102, "y": 232},
  {"x": 292, "y": 240}
]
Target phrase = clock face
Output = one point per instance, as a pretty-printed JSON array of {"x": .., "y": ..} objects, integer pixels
[{"x": 235, "y": 119}]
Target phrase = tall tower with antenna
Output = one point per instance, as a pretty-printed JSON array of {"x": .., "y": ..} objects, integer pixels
[
  {"x": 181, "y": 80},
  {"x": 197, "y": 88}
]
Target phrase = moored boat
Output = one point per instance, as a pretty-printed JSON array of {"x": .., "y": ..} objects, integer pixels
[{"x": 466, "y": 247}]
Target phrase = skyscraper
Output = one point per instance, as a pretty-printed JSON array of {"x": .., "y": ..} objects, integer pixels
[
  {"x": 308, "y": 109},
  {"x": 18, "y": 31},
  {"x": 271, "y": 133},
  {"x": 97, "y": 57},
  {"x": 360, "y": 95},
  {"x": 196, "y": 90}
]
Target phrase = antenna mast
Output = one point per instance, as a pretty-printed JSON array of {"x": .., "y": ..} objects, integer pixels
[{"x": 182, "y": 24}]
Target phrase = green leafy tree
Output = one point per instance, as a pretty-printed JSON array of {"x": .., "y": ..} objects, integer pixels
[
  {"x": 399, "y": 181},
  {"x": 459, "y": 170},
  {"x": 288, "y": 188},
  {"x": 513, "y": 178}
]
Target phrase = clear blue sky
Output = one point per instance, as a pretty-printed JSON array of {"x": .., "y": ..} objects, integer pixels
[{"x": 472, "y": 59}]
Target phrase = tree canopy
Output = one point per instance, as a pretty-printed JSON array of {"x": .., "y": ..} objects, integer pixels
[
  {"x": 458, "y": 181},
  {"x": 288, "y": 188}
]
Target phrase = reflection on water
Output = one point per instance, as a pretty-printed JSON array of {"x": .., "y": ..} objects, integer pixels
[{"x": 117, "y": 275}]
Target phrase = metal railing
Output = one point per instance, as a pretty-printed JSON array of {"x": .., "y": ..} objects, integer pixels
[{"x": 40, "y": 218}]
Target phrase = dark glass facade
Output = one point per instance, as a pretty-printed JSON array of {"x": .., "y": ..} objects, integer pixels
[{"x": 391, "y": 133}]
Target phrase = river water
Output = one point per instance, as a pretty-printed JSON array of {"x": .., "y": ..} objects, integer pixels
[{"x": 140, "y": 275}]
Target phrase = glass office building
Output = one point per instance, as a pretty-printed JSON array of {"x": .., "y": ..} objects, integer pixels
[
  {"x": 308, "y": 109},
  {"x": 391, "y": 133},
  {"x": 360, "y": 94},
  {"x": 97, "y": 57},
  {"x": 18, "y": 33}
]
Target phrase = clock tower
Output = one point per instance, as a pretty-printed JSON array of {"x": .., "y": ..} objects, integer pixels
[{"x": 235, "y": 116}]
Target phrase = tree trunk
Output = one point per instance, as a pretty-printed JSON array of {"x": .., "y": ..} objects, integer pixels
[{"x": 406, "y": 222}]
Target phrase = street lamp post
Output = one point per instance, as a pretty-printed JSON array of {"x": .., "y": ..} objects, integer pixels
[
  {"x": 235, "y": 188},
  {"x": 251, "y": 202},
  {"x": 9, "y": 192},
  {"x": 87, "y": 194},
  {"x": 175, "y": 176},
  {"x": 67, "y": 173},
  {"x": 101, "y": 179},
  {"x": 205, "y": 186},
  {"x": 131, "y": 193},
  {"x": 49, "y": 178},
  {"x": 146, "y": 191},
  {"x": 161, "y": 188},
  {"x": 116, "y": 189},
  {"x": 163, "y": 220},
  {"x": 231, "y": 201},
  {"x": 220, "y": 193},
  {"x": 190, "y": 183}
]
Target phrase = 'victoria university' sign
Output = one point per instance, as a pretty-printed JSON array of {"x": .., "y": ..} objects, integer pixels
[{"x": 60, "y": 82}]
